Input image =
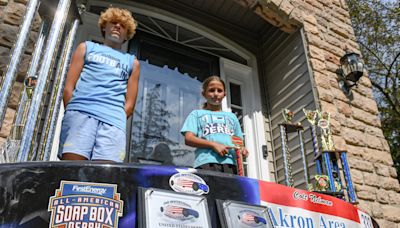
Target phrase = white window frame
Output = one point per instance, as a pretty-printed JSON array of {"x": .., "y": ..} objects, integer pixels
[{"x": 253, "y": 120}]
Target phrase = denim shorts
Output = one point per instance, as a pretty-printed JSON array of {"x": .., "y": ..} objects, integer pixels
[{"x": 84, "y": 135}]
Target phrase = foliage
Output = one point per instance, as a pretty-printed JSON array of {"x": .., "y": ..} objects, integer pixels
[{"x": 377, "y": 28}]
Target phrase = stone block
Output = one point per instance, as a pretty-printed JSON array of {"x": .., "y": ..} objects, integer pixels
[
  {"x": 311, "y": 28},
  {"x": 390, "y": 184},
  {"x": 382, "y": 196},
  {"x": 391, "y": 213},
  {"x": 329, "y": 107},
  {"x": 376, "y": 131},
  {"x": 331, "y": 67},
  {"x": 14, "y": 13},
  {"x": 339, "y": 95},
  {"x": 3, "y": 2},
  {"x": 8, "y": 34},
  {"x": 4, "y": 57},
  {"x": 364, "y": 205},
  {"x": 394, "y": 197},
  {"x": 310, "y": 18},
  {"x": 357, "y": 163},
  {"x": 340, "y": 143},
  {"x": 355, "y": 150},
  {"x": 321, "y": 80},
  {"x": 7, "y": 123},
  {"x": 335, "y": 126},
  {"x": 316, "y": 53},
  {"x": 366, "y": 117},
  {"x": 376, "y": 209},
  {"x": 357, "y": 176},
  {"x": 371, "y": 179},
  {"x": 325, "y": 94},
  {"x": 377, "y": 156},
  {"x": 365, "y": 192},
  {"x": 364, "y": 103},
  {"x": 344, "y": 108},
  {"x": 393, "y": 172},
  {"x": 372, "y": 141},
  {"x": 15, "y": 95},
  {"x": 353, "y": 137},
  {"x": 366, "y": 91},
  {"x": 382, "y": 169},
  {"x": 355, "y": 124}
]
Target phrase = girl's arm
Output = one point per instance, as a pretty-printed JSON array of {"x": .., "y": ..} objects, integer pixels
[
  {"x": 192, "y": 140},
  {"x": 75, "y": 69},
  {"x": 132, "y": 90}
]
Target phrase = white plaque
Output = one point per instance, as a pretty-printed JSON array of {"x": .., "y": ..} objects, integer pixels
[
  {"x": 170, "y": 209},
  {"x": 241, "y": 215}
]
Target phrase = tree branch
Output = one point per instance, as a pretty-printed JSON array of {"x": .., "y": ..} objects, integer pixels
[{"x": 387, "y": 96}]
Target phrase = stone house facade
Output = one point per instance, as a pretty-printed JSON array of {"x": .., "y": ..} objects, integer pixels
[{"x": 327, "y": 31}]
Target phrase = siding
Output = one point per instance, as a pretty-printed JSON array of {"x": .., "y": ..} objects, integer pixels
[{"x": 288, "y": 85}]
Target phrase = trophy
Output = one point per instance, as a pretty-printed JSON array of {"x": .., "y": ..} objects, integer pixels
[
  {"x": 239, "y": 145},
  {"x": 286, "y": 128},
  {"x": 330, "y": 158}
]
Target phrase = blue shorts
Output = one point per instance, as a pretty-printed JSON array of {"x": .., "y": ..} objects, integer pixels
[{"x": 84, "y": 135}]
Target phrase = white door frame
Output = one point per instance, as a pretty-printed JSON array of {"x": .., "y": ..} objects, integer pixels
[{"x": 253, "y": 120}]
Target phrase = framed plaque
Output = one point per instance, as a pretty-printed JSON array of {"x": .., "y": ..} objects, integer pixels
[
  {"x": 234, "y": 214},
  {"x": 162, "y": 208}
]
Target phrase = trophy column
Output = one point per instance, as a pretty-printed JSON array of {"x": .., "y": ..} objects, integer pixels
[{"x": 286, "y": 128}]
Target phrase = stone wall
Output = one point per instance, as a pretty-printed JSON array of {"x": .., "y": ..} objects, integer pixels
[
  {"x": 11, "y": 14},
  {"x": 355, "y": 122}
]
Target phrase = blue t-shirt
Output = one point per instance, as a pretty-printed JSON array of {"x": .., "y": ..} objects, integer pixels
[
  {"x": 216, "y": 127},
  {"x": 101, "y": 89}
]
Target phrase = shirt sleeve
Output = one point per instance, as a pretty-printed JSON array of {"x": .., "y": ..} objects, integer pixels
[
  {"x": 238, "y": 129},
  {"x": 190, "y": 124}
]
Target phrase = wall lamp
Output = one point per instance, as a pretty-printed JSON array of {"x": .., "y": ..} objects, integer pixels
[{"x": 350, "y": 71}]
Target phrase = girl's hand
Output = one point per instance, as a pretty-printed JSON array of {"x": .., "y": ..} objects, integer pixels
[
  {"x": 222, "y": 150},
  {"x": 245, "y": 152}
]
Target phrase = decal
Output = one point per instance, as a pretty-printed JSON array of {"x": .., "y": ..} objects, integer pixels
[
  {"x": 188, "y": 183},
  {"x": 85, "y": 205}
]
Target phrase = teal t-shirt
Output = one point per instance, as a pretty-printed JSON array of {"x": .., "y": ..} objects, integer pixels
[{"x": 216, "y": 127}]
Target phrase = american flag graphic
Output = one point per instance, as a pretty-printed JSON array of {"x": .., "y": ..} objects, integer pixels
[
  {"x": 185, "y": 183},
  {"x": 174, "y": 211},
  {"x": 247, "y": 218}
]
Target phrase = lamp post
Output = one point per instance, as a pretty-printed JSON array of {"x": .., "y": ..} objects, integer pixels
[{"x": 350, "y": 71}]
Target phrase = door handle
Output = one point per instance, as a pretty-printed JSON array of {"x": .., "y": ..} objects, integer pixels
[{"x": 264, "y": 149}]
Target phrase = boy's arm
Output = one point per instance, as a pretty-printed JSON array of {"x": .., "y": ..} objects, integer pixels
[
  {"x": 192, "y": 140},
  {"x": 75, "y": 69},
  {"x": 132, "y": 90}
]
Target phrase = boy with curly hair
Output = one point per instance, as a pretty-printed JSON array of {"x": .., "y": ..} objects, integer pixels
[{"x": 100, "y": 93}]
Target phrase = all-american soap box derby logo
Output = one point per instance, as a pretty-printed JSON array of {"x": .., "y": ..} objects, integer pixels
[{"x": 85, "y": 205}]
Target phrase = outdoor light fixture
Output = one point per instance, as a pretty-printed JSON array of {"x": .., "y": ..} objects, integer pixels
[{"x": 350, "y": 71}]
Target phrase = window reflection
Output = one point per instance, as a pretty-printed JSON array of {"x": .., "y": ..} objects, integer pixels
[{"x": 164, "y": 100}]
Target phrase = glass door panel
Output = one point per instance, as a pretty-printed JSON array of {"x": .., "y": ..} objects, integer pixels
[{"x": 164, "y": 100}]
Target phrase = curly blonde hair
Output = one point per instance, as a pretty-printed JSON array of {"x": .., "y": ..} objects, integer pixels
[{"x": 123, "y": 16}]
